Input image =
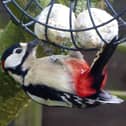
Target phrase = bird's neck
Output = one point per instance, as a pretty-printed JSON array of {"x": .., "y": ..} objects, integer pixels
[
  {"x": 19, "y": 72},
  {"x": 28, "y": 63}
]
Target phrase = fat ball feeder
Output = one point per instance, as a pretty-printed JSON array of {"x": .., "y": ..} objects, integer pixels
[{"x": 61, "y": 19}]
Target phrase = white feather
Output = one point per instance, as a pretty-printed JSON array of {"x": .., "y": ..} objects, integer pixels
[
  {"x": 54, "y": 75},
  {"x": 14, "y": 59}
]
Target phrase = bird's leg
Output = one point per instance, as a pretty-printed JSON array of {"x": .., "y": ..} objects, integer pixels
[{"x": 55, "y": 60}]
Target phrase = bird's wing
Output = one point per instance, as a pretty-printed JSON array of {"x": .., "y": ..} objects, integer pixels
[{"x": 49, "y": 96}]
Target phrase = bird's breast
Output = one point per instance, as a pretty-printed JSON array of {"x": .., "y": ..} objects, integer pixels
[{"x": 50, "y": 74}]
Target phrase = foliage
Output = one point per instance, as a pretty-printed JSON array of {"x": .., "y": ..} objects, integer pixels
[{"x": 12, "y": 98}]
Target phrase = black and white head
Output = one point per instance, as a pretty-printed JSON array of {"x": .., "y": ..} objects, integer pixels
[{"x": 14, "y": 58}]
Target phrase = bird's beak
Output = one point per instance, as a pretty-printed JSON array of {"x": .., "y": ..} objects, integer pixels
[
  {"x": 33, "y": 44},
  {"x": 32, "y": 47}
]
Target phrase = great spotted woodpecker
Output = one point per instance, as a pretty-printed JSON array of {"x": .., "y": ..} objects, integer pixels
[{"x": 58, "y": 80}]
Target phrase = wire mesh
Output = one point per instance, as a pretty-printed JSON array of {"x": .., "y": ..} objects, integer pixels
[{"x": 25, "y": 14}]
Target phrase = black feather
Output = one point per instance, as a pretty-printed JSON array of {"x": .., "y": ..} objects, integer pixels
[
  {"x": 9, "y": 51},
  {"x": 46, "y": 93}
]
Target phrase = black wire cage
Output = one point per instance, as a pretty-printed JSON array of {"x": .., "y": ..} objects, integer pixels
[{"x": 25, "y": 14}]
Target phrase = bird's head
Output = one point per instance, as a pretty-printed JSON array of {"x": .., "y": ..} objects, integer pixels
[{"x": 14, "y": 57}]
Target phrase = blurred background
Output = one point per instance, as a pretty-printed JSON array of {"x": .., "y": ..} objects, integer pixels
[{"x": 34, "y": 114}]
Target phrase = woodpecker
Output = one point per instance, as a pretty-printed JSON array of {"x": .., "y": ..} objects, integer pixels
[{"x": 57, "y": 80}]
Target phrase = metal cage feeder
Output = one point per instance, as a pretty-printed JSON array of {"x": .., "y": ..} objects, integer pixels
[{"x": 27, "y": 19}]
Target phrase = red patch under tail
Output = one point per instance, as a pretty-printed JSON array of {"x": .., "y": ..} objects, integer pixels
[{"x": 82, "y": 79}]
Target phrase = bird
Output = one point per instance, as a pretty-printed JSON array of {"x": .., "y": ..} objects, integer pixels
[{"x": 57, "y": 80}]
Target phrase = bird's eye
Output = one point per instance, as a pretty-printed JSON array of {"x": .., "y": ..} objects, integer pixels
[{"x": 18, "y": 50}]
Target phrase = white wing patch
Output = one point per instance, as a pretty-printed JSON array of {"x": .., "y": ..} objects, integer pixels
[{"x": 49, "y": 102}]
